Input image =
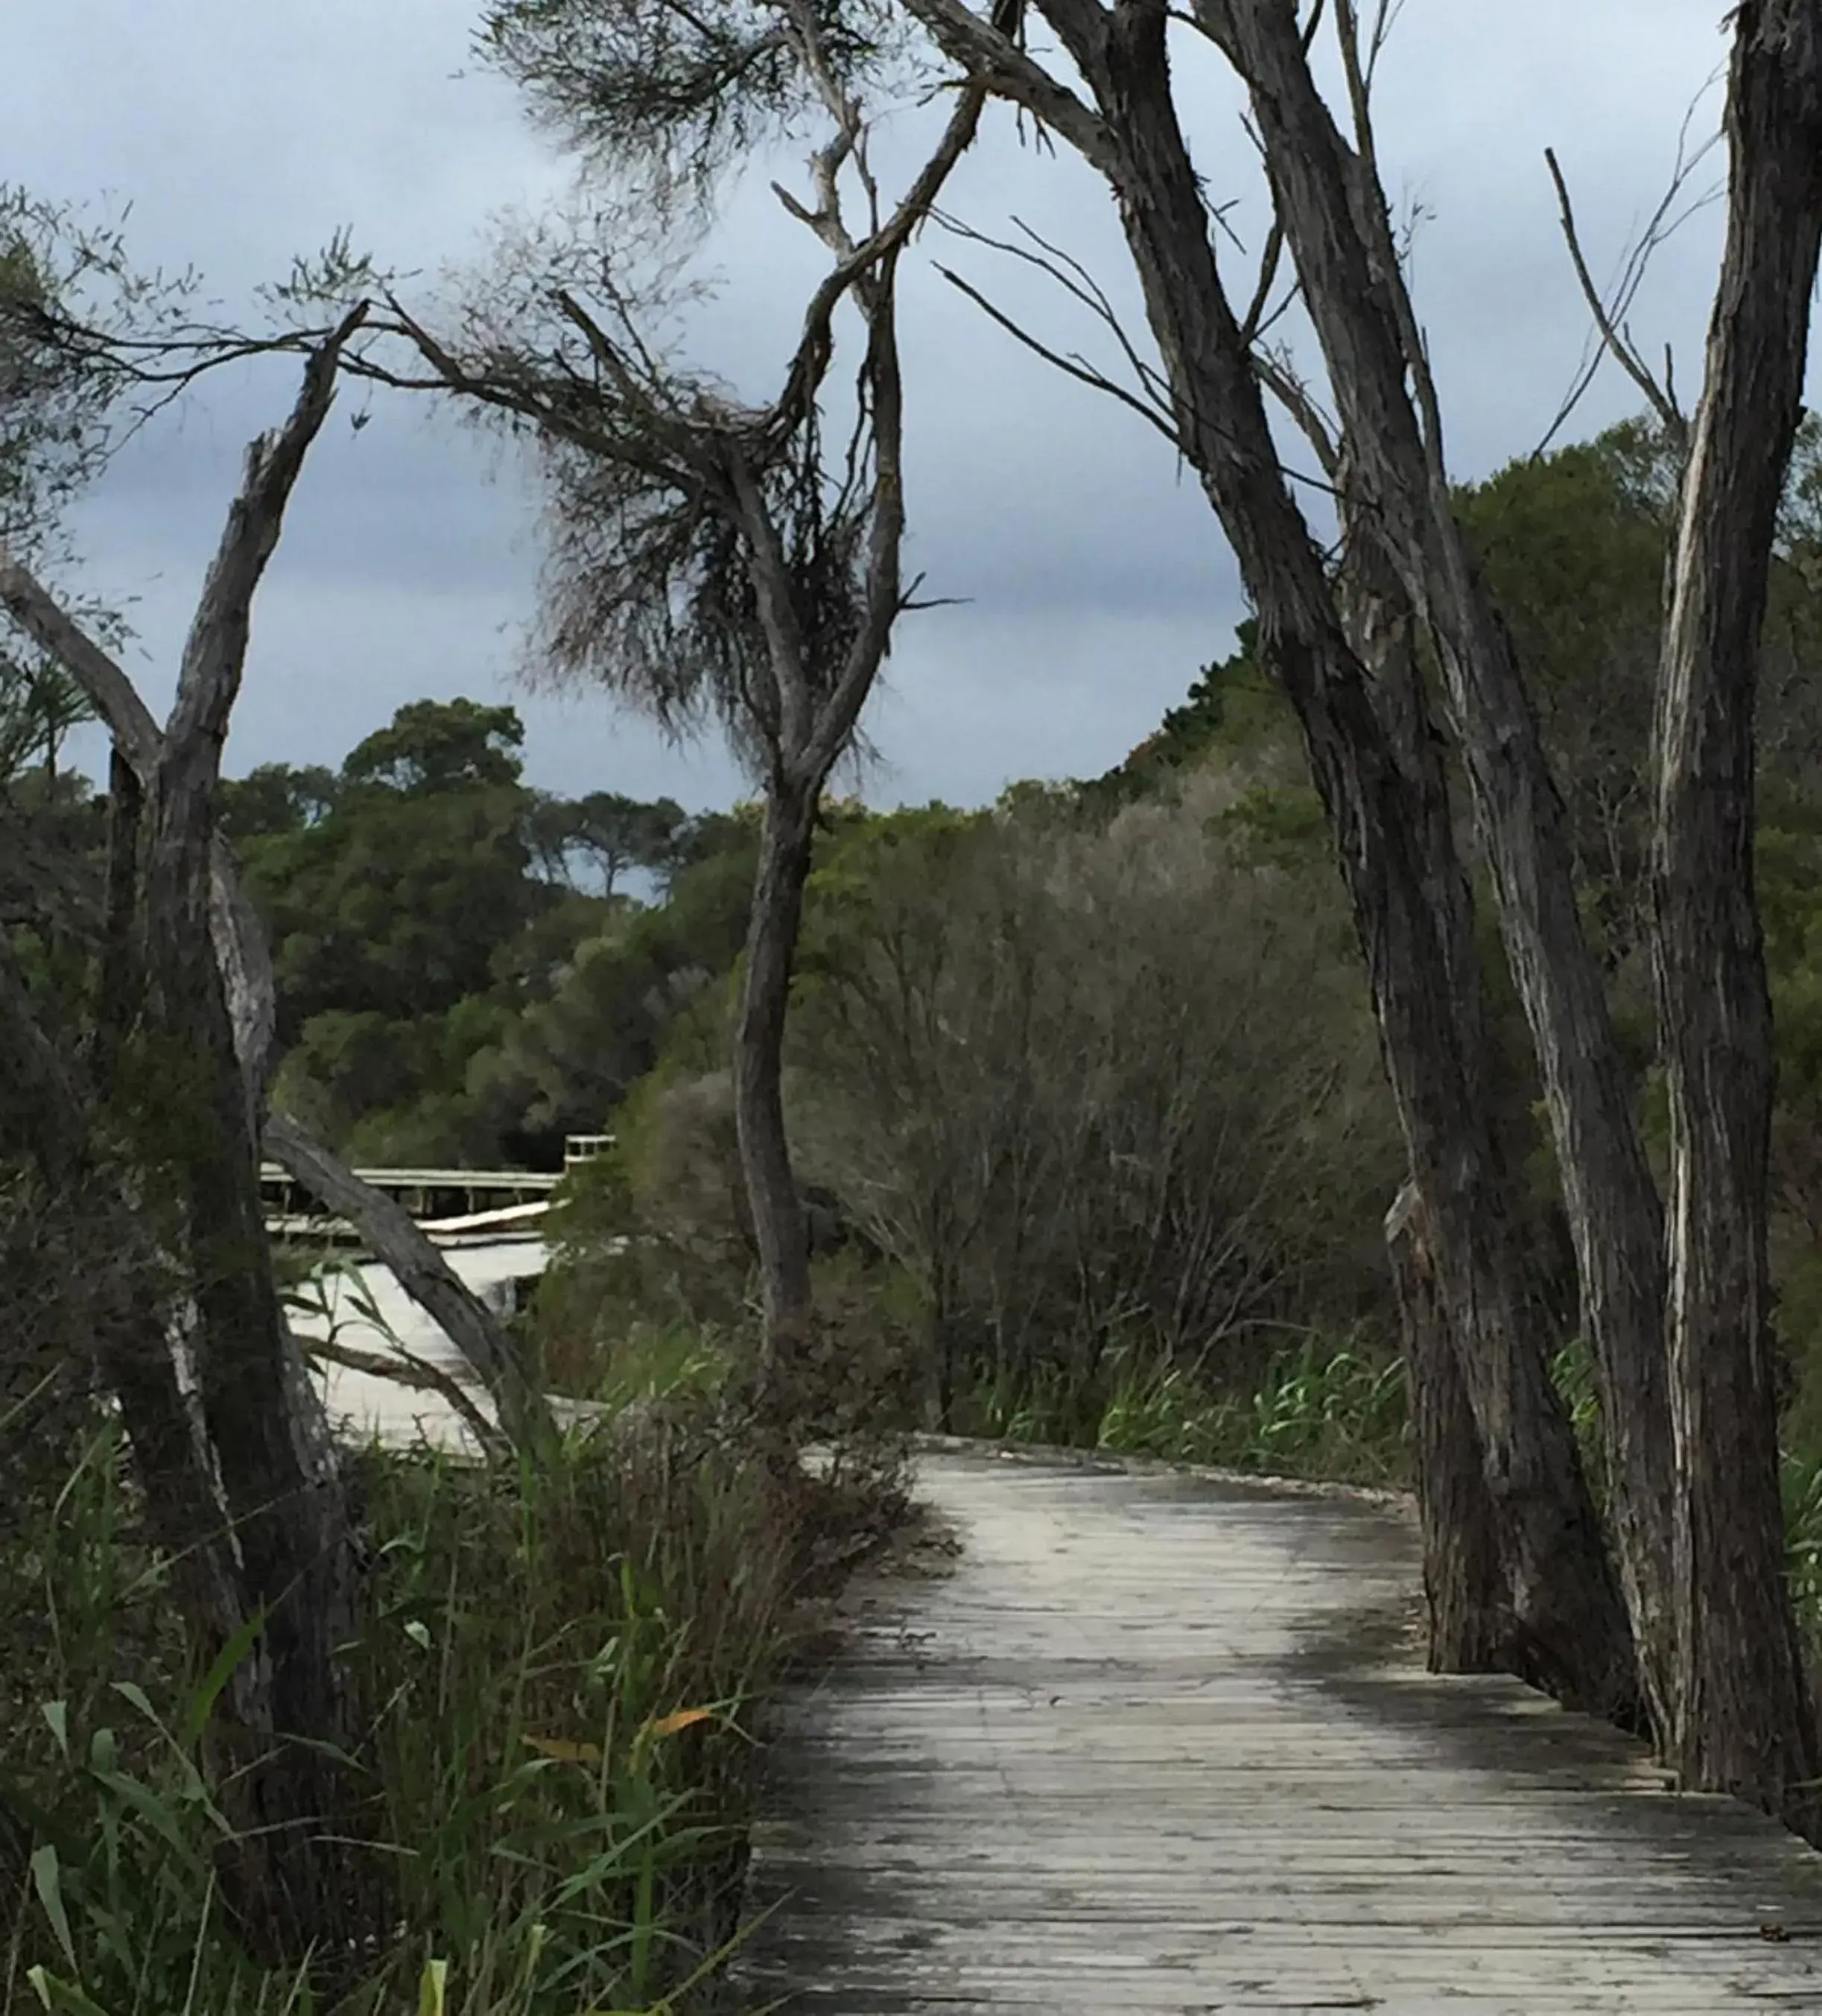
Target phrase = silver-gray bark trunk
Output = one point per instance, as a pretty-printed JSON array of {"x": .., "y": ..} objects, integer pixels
[
  {"x": 1744, "y": 1722},
  {"x": 1409, "y": 893},
  {"x": 1335, "y": 218}
]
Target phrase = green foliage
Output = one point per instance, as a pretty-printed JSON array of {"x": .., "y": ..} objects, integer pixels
[
  {"x": 39, "y": 705},
  {"x": 1326, "y": 1410},
  {"x": 394, "y": 905},
  {"x": 1578, "y": 1384},
  {"x": 609, "y": 833},
  {"x": 1233, "y": 711},
  {"x": 1803, "y": 1499},
  {"x": 431, "y": 748},
  {"x": 1085, "y": 1081},
  {"x": 273, "y": 798},
  {"x": 448, "y": 991},
  {"x": 1281, "y": 826}
]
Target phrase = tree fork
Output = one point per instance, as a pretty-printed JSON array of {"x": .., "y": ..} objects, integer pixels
[{"x": 1408, "y": 888}]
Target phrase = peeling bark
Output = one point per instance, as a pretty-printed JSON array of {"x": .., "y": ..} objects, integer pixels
[
  {"x": 1472, "y": 1629},
  {"x": 1744, "y": 1722},
  {"x": 1409, "y": 892},
  {"x": 1329, "y": 200}
]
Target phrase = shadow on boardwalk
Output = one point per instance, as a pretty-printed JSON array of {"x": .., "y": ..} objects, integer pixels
[{"x": 1164, "y": 1746}]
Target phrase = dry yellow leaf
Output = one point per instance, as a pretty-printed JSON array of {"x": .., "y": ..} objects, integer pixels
[
  {"x": 668, "y": 1725},
  {"x": 556, "y": 1747}
]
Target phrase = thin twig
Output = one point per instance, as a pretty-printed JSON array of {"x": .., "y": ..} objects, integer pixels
[
  {"x": 1073, "y": 366},
  {"x": 1612, "y": 334}
]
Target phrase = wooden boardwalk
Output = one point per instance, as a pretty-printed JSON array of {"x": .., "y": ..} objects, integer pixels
[{"x": 1164, "y": 1746}]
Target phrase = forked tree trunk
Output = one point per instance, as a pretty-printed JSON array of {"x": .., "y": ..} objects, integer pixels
[
  {"x": 1409, "y": 892},
  {"x": 1334, "y": 214},
  {"x": 1744, "y": 1722}
]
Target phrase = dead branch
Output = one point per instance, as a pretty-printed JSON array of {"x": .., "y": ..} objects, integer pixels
[
  {"x": 215, "y": 654},
  {"x": 1068, "y": 272},
  {"x": 1613, "y": 337},
  {"x": 1370, "y": 203},
  {"x": 212, "y": 661},
  {"x": 408, "y": 1369},
  {"x": 1611, "y": 332},
  {"x": 1074, "y": 366},
  {"x": 989, "y": 56},
  {"x": 1280, "y": 378}
]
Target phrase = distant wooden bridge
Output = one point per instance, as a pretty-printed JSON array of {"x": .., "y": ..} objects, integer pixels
[
  {"x": 1163, "y": 1745},
  {"x": 459, "y": 1205}
]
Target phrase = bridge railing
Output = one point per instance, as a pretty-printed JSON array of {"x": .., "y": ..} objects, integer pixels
[{"x": 453, "y": 1200}]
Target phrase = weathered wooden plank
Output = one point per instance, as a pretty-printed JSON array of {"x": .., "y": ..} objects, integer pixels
[{"x": 1162, "y": 1745}]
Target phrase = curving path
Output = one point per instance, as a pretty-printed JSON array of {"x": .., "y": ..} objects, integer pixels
[{"x": 1163, "y": 1745}]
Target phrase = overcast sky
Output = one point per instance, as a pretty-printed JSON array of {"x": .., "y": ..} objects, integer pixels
[{"x": 1095, "y": 583}]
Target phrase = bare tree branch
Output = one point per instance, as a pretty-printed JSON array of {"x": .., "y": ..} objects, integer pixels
[
  {"x": 1074, "y": 366},
  {"x": 214, "y": 655},
  {"x": 129, "y": 720},
  {"x": 1075, "y": 278},
  {"x": 988, "y": 56},
  {"x": 408, "y": 1369},
  {"x": 1612, "y": 333},
  {"x": 239, "y": 946}
]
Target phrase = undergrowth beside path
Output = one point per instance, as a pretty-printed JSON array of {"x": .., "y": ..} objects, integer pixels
[{"x": 559, "y": 1677}]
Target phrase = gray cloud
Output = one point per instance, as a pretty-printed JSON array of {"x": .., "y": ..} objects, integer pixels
[{"x": 1095, "y": 582}]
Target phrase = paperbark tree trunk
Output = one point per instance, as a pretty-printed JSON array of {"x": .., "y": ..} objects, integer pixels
[
  {"x": 290, "y": 1526},
  {"x": 183, "y": 1089},
  {"x": 1409, "y": 894},
  {"x": 245, "y": 963},
  {"x": 1744, "y": 1722},
  {"x": 1333, "y": 210},
  {"x": 1472, "y": 1629},
  {"x": 289, "y": 1873}
]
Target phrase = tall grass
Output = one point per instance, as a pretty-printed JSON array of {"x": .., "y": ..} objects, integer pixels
[
  {"x": 555, "y": 1676},
  {"x": 1327, "y": 1410}
]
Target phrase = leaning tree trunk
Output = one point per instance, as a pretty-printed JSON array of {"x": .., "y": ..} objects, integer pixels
[
  {"x": 289, "y": 1871},
  {"x": 421, "y": 1272},
  {"x": 779, "y": 1229},
  {"x": 1472, "y": 1626},
  {"x": 1330, "y": 203},
  {"x": 246, "y": 967},
  {"x": 1409, "y": 892},
  {"x": 1743, "y": 1722}
]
